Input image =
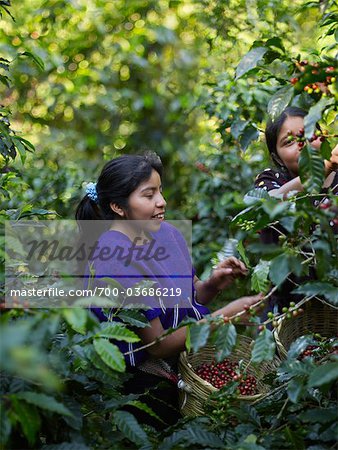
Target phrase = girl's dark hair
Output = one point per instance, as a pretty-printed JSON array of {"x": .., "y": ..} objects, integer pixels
[
  {"x": 273, "y": 128},
  {"x": 118, "y": 179}
]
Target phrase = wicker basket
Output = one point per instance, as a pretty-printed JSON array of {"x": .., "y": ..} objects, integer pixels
[
  {"x": 195, "y": 391},
  {"x": 318, "y": 317}
]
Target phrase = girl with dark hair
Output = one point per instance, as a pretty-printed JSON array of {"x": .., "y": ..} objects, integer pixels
[
  {"x": 128, "y": 197},
  {"x": 285, "y": 150},
  {"x": 285, "y": 153}
]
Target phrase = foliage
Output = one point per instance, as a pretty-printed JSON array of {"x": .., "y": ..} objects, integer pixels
[{"x": 85, "y": 81}]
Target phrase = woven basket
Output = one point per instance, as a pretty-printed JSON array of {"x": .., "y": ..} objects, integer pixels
[
  {"x": 318, "y": 317},
  {"x": 195, "y": 393}
]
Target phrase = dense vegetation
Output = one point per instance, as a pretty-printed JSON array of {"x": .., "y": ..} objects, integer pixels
[{"x": 84, "y": 81}]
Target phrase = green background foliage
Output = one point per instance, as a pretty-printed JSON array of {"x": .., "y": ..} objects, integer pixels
[{"x": 86, "y": 80}]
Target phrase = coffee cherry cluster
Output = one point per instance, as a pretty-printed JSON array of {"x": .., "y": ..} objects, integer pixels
[
  {"x": 300, "y": 138},
  {"x": 314, "y": 78},
  {"x": 246, "y": 225},
  {"x": 289, "y": 312},
  {"x": 322, "y": 349},
  {"x": 219, "y": 374}
]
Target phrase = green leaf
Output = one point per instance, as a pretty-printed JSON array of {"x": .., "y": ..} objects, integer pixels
[
  {"x": 279, "y": 269},
  {"x": 242, "y": 253},
  {"x": 299, "y": 345},
  {"x": 43, "y": 401},
  {"x": 282, "y": 266},
  {"x": 224, "y": 339},
  {"x": 250, "y": 134},
  {"x": 133, "y": 317},
  {"x": 279, "y": 101},
  {"x": 295, "y": 389},
  {"x": 38, "y": 61},
  {"x": 264, "y": 347},
  {"x": 259, "y": 277},
  {"x": 327, "y": 373},
  {"x": 97, "y": 362},
  {"x": 319, "y": 288},
  {"x": 255, "y": 195},
  {"x": 129, "y": 426},
  {"x": 76, "y": 319},
  {"x": 144, "y": 407},
  {"x": 237, "y": 127},
  {"x": 311, "y": 169},
  {"x": 20, "y": 147},
  {"x": 325, "y": 150},
  {"x": 198, "y": 435},
  {"x": 28, "y": 417},
  {"x": 315, "y": 114},
  {"x": 275, "y": 42},
  {"x": 250, "y": 61},
  {"x": 117, "y": 331},
  {"x": 5, "y": 425},
  {"x": 319, "y": 415},
  {"x": 199, "y": 334},
  {"x": 249, "y": 443},
  {"x": 110, "y": 354}
]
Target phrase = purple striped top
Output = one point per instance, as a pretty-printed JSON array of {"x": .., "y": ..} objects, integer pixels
[{"x": 166, "y": 261}]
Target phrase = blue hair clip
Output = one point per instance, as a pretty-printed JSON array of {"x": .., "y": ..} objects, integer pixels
[{"x": 92, "y": 192}]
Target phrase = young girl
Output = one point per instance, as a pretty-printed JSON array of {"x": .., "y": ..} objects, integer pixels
[
  {"x": 284, "y": 179},
  {"x": 128, "y": 194},
  {"x": 285, "y": 154}
]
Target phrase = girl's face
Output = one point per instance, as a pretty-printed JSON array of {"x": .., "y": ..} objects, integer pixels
[
  {"x": 289, "y": 152},
  {"x": 147, "y": 202}
]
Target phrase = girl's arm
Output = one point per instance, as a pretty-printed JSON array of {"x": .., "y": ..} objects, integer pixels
[
  {"x": 296, "y": 185},
  {"x": 174, "y": 343},
  {"x": 222, "y": 276}
]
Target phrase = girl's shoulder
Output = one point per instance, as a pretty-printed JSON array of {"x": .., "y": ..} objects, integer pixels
[{"x": 270, "y": 179}]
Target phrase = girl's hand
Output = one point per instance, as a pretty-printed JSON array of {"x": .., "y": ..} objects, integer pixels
[
  {"x": 236, "y": 306},
  {"x": 226, "y": 272},
  {"x": 332, "y": 163}
]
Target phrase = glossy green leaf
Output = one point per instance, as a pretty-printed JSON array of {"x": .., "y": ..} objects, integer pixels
[
  {"x": 110, "y": 354},
  {"x": 134, "y": 318},
  {"x": 319, "y": 288},
  {"x": 295, "y": 389},
  {"x": 259, "y": 277},
  {"x": 250, "y": 134},
  {"x": 255, "y": 195},
  {"x": 224, "y": 339},
  {"x": 144, "y": 407},
  {"x": 250, "y": 61},
  {"x": 129, "y": 426},
  {"x": 44, "y": 401},
  {"x": 326, "y": 373},
  {"x": 5, "y": 425},
  {"x": 311, "y": 169},
  {"x": 38, "y": 61},
  {"x": 279, "y": 101},
  {"x": 117, "y": 331},
  {"x": 315, "y": 114},
  {"x": 76, "y": 319},
  {"x": 325, "y": 150},
  {"x": 282, "y": 266},
  {"x": 29, "y": 419},
  {"x": 199, "y": 334},
  {"x": 264, "y": 347}
]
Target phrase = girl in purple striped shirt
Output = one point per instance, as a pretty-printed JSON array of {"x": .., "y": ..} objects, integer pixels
[{"x": 142, "y": 246}]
